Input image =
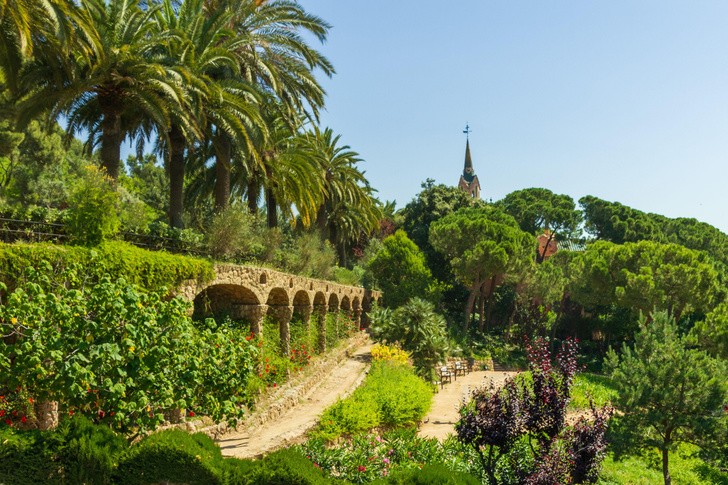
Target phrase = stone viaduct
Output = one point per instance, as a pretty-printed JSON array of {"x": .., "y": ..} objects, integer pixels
[{"x": 251, "y": 293}]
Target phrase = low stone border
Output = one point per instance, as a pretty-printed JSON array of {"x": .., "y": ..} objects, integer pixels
[{"x": 271, "y": 405}]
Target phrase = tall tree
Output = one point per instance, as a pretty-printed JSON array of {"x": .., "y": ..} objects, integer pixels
[
  {"x": 484, "y": 245},
  {"x": 275, "y": 55},
  {"x": 201, "y": 45},
  {"x": 537, "y": 209},
  {"x": 110, "y": 91},
  {"x": 349, "y": 208},
  {"x": 668, "y": 392},
  {"x": 643, "y": 276}
]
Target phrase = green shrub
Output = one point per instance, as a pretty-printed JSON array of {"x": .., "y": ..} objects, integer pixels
[
  {"x": 283, "y": 467},
  {"x": 89, "y": 453},
  {"x": 349, "y": 416},
  {"x": 28, "y": 457},
  {"x": 92, "y": 215},
  {"x": 150, "y": 270},
  {"x": 402, "y": 397},
  {"x": 172, "y": 456},
  {"x": 429, "y": 475},
  {"x": 232, "y": 235},
  {"x": 392, "y": 396}
]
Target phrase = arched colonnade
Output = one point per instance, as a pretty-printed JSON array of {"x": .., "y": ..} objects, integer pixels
[{"x": 251, "y": 293}]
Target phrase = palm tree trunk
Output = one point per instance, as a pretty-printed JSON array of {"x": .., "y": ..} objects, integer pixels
[
  {"x": 176, "y": 176},
  {"x": 223, "y": 157},
  {"x": 111, "y": 144},
  {"x": 253, "y": 192},
  {"x": 271, "y": 208}
]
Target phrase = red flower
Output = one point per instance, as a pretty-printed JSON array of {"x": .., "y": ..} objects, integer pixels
[
  {"x": 30, "y": 400},
  {"x": 362, "y": 468},
  {"x": 275, "y": 384},
  {"x": 9, "y": 422},
  {"x": 2, "y": 413},
  {"x": 23, "y": 419},
  {"x": 192, "y": 414}
]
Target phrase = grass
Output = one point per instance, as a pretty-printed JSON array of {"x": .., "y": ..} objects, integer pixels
[
  {"x": 685, "y": 469},
  {"x": 591, "y": 386}
]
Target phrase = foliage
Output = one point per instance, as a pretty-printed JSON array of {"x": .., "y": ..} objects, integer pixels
[
  {"x": 429, "y": 475},
  {"x": 712, "y": 332},
  {"x": 612, "y": 221},
  {"x": 496, "y": 423},
  {"x": 92, "y": 215},
  {"x": 282, "y": 467},
  {"x": 391, "y": 396},
  {"x": 400, "y": 271},
  {"x": 537, "y": 209},
  {"x": 592, "y": 389},
  {"x": 643, "y": 276},
  {"x": 77, "y": 452},
  {"x": 668, "y": 392},
  {"x": 389, "y": 353},
  {"x": 172, "y": 456},
  {"x": 400, "y": 452},
  {"x": 482, "y": 244},
  {"x": 152, "y": 270},
  {"x": 231, "y": 234},
  {"x": 345, "y": 276},
  {"x": 117, "y": 354},
  {"x": 417, "y": 329}
]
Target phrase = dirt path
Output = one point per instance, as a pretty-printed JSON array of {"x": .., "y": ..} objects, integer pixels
[
  {"x": 441, "y": 420},
  {"x": 291, "y": 427}
]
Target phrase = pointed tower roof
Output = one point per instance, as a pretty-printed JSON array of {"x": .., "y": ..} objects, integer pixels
[{"x": 468, "y": 174}]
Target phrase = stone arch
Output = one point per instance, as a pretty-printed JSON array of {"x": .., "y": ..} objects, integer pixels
[
  {"x": 355, "y": 304},
  {"x": 346, "y": 304},
  {"x": 277, "y": 297},
  {"x": 221, "y": 300},
  {"x": 333, "y": 302},
  {"x": 319, "y": 298}
]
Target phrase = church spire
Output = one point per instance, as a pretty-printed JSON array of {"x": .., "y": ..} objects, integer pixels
[{"x": 468, "y": 180}]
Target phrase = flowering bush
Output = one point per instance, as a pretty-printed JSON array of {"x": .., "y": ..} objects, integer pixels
[
  {"x": 390, "y": 353},
  {"x": 117, "y": 354}
]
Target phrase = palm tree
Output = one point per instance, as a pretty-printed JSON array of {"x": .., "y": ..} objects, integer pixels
[
  {"x": 275, "y": 56},
  {"x": 203, "y": 47},
  {"x": 28, "y": 25},
  {"x": 121, "y": 85},
  {"x": 349, "y": 208}
]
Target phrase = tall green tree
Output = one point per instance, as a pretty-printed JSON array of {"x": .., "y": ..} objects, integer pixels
[
  {"x": 668, "y": 392},
  {"x": 112, "y": 90},
  {"x": 275, "y": 55},
  {"x": 349, "y": 208},
  {"x": 645, "y": 275},
  {"x": 538, "y": 209},
  {"x": 201, "y": 44},
  {"x": 484, "y": 245},
  {"x": 401, "y": 272}
]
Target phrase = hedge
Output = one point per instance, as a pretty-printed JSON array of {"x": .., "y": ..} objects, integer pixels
[{"x": 150, "y": 270}]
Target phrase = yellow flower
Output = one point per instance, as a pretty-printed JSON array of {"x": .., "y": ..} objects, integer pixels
[
  {"x": 131, "y": 349},
  {"x": 139, "y": 305},
  {"x": 14, "y": 321}
]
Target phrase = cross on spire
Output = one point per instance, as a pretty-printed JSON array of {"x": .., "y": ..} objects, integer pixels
[{"x": 467, "y": 131}]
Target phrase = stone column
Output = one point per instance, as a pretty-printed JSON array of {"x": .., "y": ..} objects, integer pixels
[
  {"x": 256, "y": 313},
  {"x": 320, "y": 312},
  {"x": 357, "y": 317},
  {"x": 283, "y": 314},
  {"x": 46, "y": 412}
]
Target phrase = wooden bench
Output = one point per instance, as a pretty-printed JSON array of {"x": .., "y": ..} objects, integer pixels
[
  {"x": 444, "y": 374},
  {"x": 459, "y": 368}
]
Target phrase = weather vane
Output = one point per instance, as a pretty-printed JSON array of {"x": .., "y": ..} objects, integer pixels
[{"x": 467, "y": 131}]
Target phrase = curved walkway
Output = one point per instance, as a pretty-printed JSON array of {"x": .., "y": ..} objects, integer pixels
[
  {"x": 440, "y": 422},
  {"x": 291, "y": 427}
]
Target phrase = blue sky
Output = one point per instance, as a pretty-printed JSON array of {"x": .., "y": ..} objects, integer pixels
[{"x": 624, "y": 100}]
